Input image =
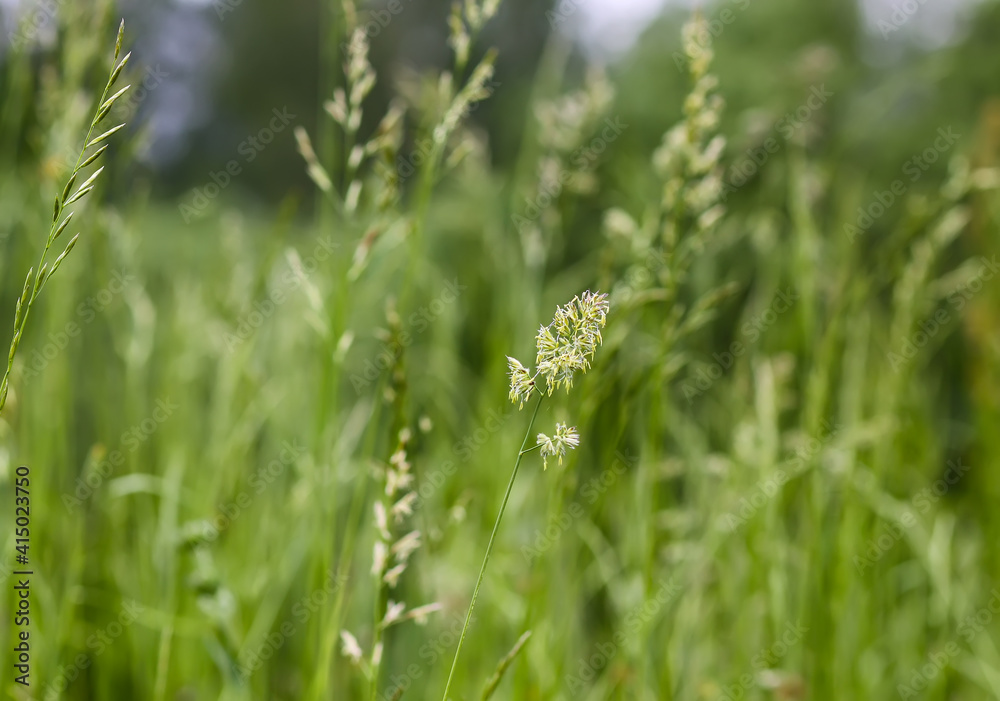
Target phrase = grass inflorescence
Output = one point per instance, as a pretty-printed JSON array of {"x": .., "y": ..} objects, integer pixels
[{"x": 537, "y": 402}]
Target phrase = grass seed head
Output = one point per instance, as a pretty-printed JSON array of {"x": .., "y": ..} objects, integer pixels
[
  {"x": 568, "y": 344},
  {"x": 565, "y": 438}
]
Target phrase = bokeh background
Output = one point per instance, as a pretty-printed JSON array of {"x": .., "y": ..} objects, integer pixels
[{"x": 787, "y": 479}]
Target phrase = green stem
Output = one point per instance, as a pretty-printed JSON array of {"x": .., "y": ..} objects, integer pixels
[
  {"x": 377, "y": 635},
  {"x": 36, "y": 288},
  {"x": 489, "y": 548}
]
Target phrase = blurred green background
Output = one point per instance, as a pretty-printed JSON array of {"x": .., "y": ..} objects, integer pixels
[{"x": 786, "y": 482}]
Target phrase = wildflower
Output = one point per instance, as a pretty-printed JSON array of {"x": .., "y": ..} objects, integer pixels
[{"x": 556, "y": 446}]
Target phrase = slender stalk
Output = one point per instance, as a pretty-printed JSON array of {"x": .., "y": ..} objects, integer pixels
[
  {"x": 41, "y": 272},
  {"x": 377, "y": 639},
  {"x": 489, "y": 547}
]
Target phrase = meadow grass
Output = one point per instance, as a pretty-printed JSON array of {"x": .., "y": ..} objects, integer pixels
[{"x": 772, "y": 497}]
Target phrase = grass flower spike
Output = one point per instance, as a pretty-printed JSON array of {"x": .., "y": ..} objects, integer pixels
[
  {"x": 568, "y": 344},
  {"x": 61, "y": 216},
  {"x": 565, "y": 438},
  {"x": 394, "y": 544},
  {"x": 521, "y": 382},
  {"x": 564, "y": 346}
]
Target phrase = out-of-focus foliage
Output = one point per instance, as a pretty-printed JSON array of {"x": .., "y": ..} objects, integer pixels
[{"x": 786, "y": 483}]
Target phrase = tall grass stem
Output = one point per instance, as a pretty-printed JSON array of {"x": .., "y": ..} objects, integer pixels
[{"x": 489, "y": 547}]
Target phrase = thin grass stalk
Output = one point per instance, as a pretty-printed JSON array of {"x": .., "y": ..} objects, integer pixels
[
  {"x": 331, "y": 630},
  {"x": 489, "y": 546},
  {"x": 39, "y": 275}
]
